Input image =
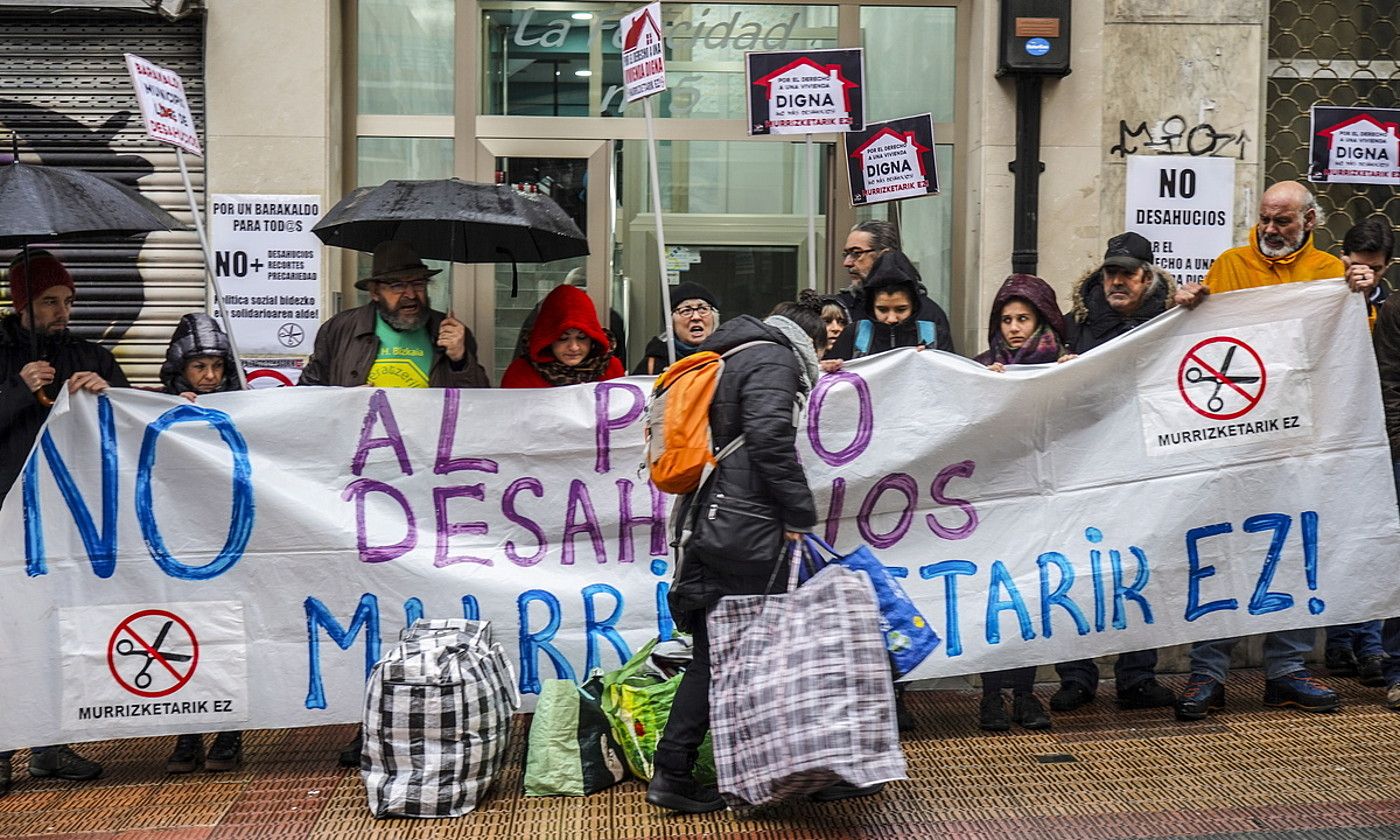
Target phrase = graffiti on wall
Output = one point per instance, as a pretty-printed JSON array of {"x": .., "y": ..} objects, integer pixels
[{"x": 1175, "y": 136}]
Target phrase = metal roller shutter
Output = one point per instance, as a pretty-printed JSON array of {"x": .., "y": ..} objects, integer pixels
[{"x": 64, "y": 90}]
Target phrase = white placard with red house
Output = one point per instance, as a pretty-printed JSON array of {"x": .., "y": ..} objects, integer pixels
[
  {"x": 807, "y": 92},
  {"x": 1355, "y": 145},
  {"x": 892, "y": 160},
  {"x": 164, "y": 108},
  {"x": 643, "y": 53}
]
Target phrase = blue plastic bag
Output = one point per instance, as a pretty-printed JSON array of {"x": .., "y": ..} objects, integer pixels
[{"x": 908, "y": 636}]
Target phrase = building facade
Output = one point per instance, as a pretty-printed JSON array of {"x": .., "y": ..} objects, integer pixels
[{"x": 317, "y": 97}]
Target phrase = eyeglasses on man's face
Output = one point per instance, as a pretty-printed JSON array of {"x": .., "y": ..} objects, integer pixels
[
  {"x": 692, "y": 311},
  {"x": 398, "y": 287},
  {"x": 856, "y": 253}
]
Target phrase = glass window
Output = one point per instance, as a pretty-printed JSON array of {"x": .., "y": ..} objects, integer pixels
[
  {"x": 405, "y": 60},
  {"x": 916, "y": 48},
  {"x": 735, "y": 222},
  {"x": 561, "y": 62},
  {"x": 566, "y": 181},
  {"x": 379, "y": 159},
  {"x": 926, "y": 229}
]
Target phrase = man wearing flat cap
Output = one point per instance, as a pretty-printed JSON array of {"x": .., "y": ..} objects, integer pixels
[{"x": 396, "y": 340}]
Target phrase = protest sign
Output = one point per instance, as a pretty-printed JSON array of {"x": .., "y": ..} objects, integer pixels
[
  {"x": 643, "y": 53},
  {"x": 1185, "y": 207},
  {"x": 164, "y": 108},
  {"x": 892, "y": 160},
  {"x": 805, "y": 92},
  {"x": 269, "y": 265},
  {"x": 1043, "y": 514},
  {"x": 1355, "y": 145}
]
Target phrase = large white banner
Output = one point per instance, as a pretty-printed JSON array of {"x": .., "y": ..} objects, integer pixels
[{"x": 242, "y": 561}]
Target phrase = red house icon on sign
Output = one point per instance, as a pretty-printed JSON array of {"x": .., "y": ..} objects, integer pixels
[
  {"x": 1361, "y": 124},
  {"x": 805, "y": 69},
  {"x": 889, "y": 140},
  {"x": 644, "y": 30}
]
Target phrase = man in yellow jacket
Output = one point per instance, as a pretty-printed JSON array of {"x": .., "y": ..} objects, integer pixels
[{"x": 1280, "y": 250}]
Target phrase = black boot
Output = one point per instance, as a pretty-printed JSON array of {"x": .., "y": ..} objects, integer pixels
[
  {"x": 683, "y": 794},
  {"x": 992, "y": 716},
  {"x": 185, "y": 758},
  {"x": 226, "y": 753}
]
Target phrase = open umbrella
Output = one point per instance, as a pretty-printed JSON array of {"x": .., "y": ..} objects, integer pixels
[
  {"x": 53, "y": 203},
  {"x": 454, "y": 220}
]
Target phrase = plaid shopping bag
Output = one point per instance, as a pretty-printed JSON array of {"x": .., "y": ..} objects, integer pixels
[
  {"x": 437, "y": 720},
  {"x": 800, "y": 690}
]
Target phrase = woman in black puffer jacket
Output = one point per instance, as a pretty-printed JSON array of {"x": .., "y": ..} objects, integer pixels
[{"x": 756, "y": 499}]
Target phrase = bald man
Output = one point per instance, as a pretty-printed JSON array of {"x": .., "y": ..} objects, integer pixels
[{"x": 1280, "y": 250}]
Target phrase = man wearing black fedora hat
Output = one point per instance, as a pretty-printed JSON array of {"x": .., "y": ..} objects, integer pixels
[{"x": 396, "y": 340}]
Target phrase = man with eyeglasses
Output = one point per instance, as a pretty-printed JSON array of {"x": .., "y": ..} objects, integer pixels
[
  {"x": 866, "y": 243},
  {"x": 396, "y": 340},
  {"x": 694, "y": 315}
]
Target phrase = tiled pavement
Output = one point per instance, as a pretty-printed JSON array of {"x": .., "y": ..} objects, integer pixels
[{"x": 1100, "y": 773}]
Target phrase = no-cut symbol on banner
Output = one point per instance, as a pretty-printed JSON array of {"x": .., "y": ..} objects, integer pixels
[
  {"x": 1221, "y": 378},
  {"x": 152, "y": 653},
  {"x": 291, "y": 334}
]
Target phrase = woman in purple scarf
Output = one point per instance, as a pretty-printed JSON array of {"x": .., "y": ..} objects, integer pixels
[{"x": 1026, "y": 328}]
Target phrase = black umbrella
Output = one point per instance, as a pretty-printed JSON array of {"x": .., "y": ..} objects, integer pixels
[
  {"x": 49, "y": 203},
  {"x": 454, "y": 220}
]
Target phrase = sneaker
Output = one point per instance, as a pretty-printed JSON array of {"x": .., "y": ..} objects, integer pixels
[
  {"x": 226, "y": 752},
  {"x": 61, "y": 762},
  {"x": 350, "y": 753},
  {"x": 1300, "y": 690},
  {"x": 903, "y": 719},
  {"x": 1392, "y": 696},
  {"x": 1201, "y": 696},
  {"x": 1370, "y": 670},
  {"x": 991, "y": 715},
  {"x": 1070, "y": 697},
  {"x": 1027, "y": 711},
  {"x": 684, "y": 795},
  {"x": 845, "y": 790},
  {"x": 189, "y": 750},
  {"x": 1340, "y": 661},
  {"x": 1148, "y": 694}
]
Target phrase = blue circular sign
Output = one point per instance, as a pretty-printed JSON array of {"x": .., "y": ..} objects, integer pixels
[{"x": 1037, "y": 46}]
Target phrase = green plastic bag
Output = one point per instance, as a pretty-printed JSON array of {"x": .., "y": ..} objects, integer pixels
[
  {"x": 637, "y": 703},
  {"x": 571, "y": 751}
]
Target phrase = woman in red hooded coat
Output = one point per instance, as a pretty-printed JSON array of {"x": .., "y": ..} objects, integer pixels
[{"x": 567, "y": 345}]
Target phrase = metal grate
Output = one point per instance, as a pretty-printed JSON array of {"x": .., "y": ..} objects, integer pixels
[
  {"x": 64, "y": 90},
  {"x": 1330, "y": 52}
]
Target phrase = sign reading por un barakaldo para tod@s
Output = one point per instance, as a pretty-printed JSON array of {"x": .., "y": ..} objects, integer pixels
[
  {"x": 269, "y": 266},
  {"x": 241, "y": 561},
  {"x": 807, "y": 92}
]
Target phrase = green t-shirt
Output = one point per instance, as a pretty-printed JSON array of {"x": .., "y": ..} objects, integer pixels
[{"x": 405, "y": 358}]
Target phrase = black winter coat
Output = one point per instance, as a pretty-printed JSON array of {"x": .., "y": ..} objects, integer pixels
[
  {"x": 21, "y": 416},
  {"x": 892, "y": 272},
  {"x": 762, "y": 478},
  {"x": 1386, "y": 339},
  {"x": 1091, "y": 322}
]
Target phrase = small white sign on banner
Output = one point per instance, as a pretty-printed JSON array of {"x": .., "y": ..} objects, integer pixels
[
  {"x": 164, "y": 107},
  {"x": 1185, "y": 207},
  {"x": 172, "y": 662},
  {"x": 643, "y": 53},
  {"x": 269, "y": 266}
]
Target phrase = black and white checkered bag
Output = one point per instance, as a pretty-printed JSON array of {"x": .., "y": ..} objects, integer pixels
[
  {"x": 437, "y": 720},
  {"x": 800, "y": 690}
]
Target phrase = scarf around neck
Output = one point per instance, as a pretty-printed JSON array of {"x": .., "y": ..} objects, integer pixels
[
  {"x": 591, "y": 369},
  {"x": 802, "y": 348},
  {"x": 1042, "y": 347}
]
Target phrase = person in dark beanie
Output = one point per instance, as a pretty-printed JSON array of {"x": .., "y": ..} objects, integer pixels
[
  {"x": 37, "y": 351},
  {"x": 694, "y": 316},
  {"x": 200, "y": 361},
  {"x": 1124, "y": 292},
  {"x": 893, "y": 313}
]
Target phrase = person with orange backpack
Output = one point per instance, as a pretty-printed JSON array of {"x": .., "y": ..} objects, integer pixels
[{"x": 749, "y": 504}]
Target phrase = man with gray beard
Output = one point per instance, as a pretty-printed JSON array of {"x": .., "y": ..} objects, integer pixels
[{"x": 396, "y": 340}]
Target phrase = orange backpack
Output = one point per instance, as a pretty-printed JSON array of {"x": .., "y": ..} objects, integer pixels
[{"x": 679, "y": 448}]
